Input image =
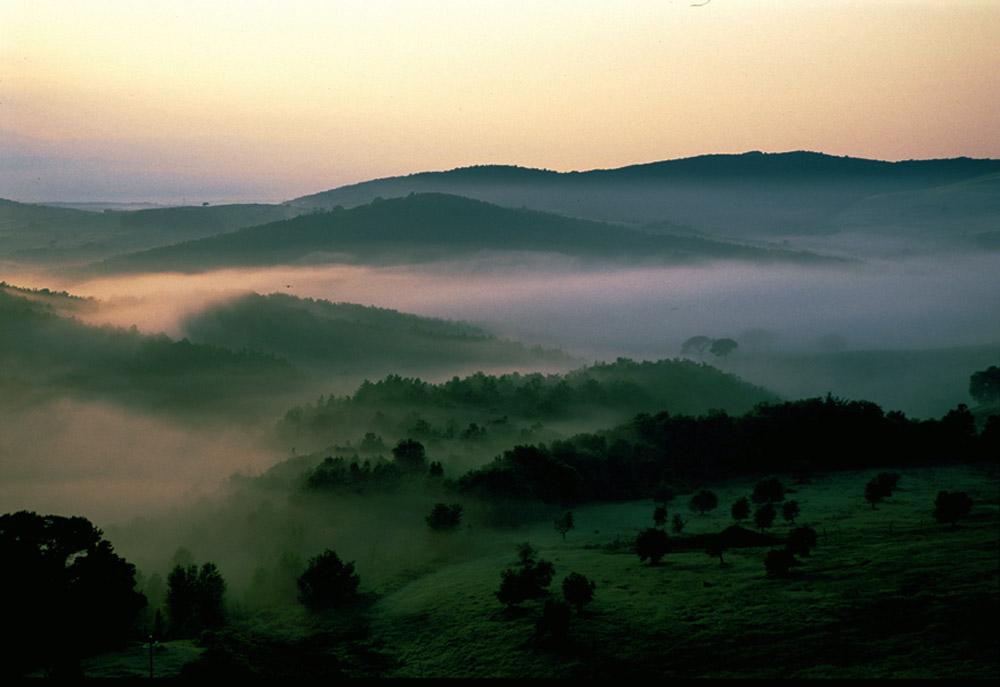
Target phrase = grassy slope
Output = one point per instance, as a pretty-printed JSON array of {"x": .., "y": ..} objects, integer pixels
[{"x": 921, "y": 603}]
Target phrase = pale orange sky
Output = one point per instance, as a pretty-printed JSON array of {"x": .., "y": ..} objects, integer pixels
[{"x": 145, "y": 100}]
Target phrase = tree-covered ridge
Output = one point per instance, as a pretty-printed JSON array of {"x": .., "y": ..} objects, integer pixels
[
  {"x": 44, "y": 353},
  {"x": 354, "y": 340},
  {"x": 678, "y": 451},
  {"x": 427, "y": 227},
  {"x": 483, "y": 411}
]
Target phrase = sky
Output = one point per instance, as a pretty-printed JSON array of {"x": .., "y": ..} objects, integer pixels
[{"x": 176, "y": 101}]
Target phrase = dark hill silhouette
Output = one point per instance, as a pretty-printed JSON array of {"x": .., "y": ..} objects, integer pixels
[
  {"x": 751, "y": 194},
  {"x": 431, "y": 226}
]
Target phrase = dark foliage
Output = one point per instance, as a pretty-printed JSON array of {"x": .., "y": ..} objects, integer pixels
[
  {"x": 678, "y": 523},
  {"x": 578, "y": 590},
  {"x": 801, "y": 540},
  {"x": 767, "y": 490},
  {"x": 950, "y": 507},
  {"x": 778, "y": 562},
  {"x": 328, "y": 582},
  {"x": 741, "y": 509},
  {"x": 652, "y": 545},
  {"x": 704, "y": 501},
  {"x": 410, "y": 456},
  {"x": 553, "y": 624},
  {"x": 764, "y": 516},
  {"x": 526, "y": 581},
  {"x": 64, "y": 593},
  {"x": 984, "y": 386},
  {"x": 790, "y": 511},
  {"x": 195, "y": 599},
  {"x": 876, "y": 491},
  {"x": 660, "y": 516},
  {"x": 564, "y": 523},
  {"x": 444, "y": 518}
]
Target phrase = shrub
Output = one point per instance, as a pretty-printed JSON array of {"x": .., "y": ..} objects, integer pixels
[
  {"x": 443, "y": 517},
  {"x": 660, "y": 516},
  {"x": 876, "y": 492},
  {"x": 790, "y": 510},
  {"x": 651, "y": 544},
  {"x": 328, "y": 582},
  {"x": 578, "y": 590},
  {"x": 741, "y": 510},
  {"x": 528, "y": 581},
  {"x": 764, "y": 516},
  {"x": 768, "y": 490},
  {"x": 801, "y": 540},
  {"x": 950, "y": 507},
  {"x": 704, "y": 501}
]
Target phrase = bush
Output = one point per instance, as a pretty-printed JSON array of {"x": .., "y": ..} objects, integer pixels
[
  {"x": 578, "y": 590},
  {"x": 801, "y": 540},
  {"x": 328, "y": 582},
  {"x": 875, "y": 492},
  {"x": 950, "y": 507},
  {"x": 790, "y": 511},
  {"x": 704, "y": 501},
  {"x": 660, "y": 516},
  {"x": 741, "y": 510},
  {"x": 443, "y": 517},
  {"x": 652, "y": 545},
  {"x": 528, "y": 581},
  {"x": 764, "y": 516},
  {"x": 768, "y": 490}
]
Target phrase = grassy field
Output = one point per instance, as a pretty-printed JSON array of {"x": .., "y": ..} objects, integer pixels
[{"x": 887, "y": 592}]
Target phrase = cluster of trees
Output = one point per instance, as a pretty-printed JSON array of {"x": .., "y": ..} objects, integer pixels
[
  {"x": 625, "y": 462},
  {"x": 720, "y": 348},
  {"x": 881, "y": 487}
]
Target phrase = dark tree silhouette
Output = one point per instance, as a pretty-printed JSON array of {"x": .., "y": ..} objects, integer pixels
[
  {"x": 696, "y": 344},
  {"x": 660, "y": 516},
  {"x": 769, "y": 489},
  {"x": 704, "y": 501},
  {"x": 801, "y": 540},
  {"x": 678, "y": 523},
  {"x": 984, "y": 386},
  {"x": 444, "y": 518},
  {"x": 764, "y": 516},
  {"x": 778, "y": 561},
  {"x": 63, "y": 592},
  {"x": 553, "y": 624},
  {"x": 563, "y": 523},
  {"x": 723, "y": 347},
  {"x": 717, "y": 545},
  {"x": 328, "y": 582},
  {"x": 652, "y": 544},
  {"x": 527, "y": 581},
  {"x": 876, "y": 492},
  {"x": 410, "y": 456},
  {"x": 741, "y": 509},
  {"x": 950, "y": 507},
  {"x": 195, "y": 599},
  {"x": 578, "y": 590},
  {"x": 790, "y": 511}
]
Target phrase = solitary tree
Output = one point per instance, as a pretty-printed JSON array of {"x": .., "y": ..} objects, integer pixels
[
  {"x": 526, "y": 581},
  {"x": 696, "y": 344},
  {"x": 678, "y": 523},
  {"x": 790, "y": 511},
  {"x": 723, "y": 347},
  {"x": 704, "y": 501},
  {"x": 801, "y": 540},
  {"x": 769, "y": 489},
  {"x": 950, "y": 507},
  {"x": 764, "y": 516},
  {"x": 984, "y": 386},
  {"x": 741, "y": 509},
  {"x": 328, "y": 582},
  {"x": 444, "y": 518},
  {"x": 875, "y": 492},
  {"x": 652, "y": 544},
  {"x": 563, "y": 523},
  {"x": 410, "y": 456},
  {"x": 660, "y": 516},
  {"x": 578, "y": 590}
]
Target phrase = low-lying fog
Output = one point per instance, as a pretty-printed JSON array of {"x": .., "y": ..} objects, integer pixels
[
  {"x": 604, "y": 313},
  {"x": 109, "y": 464}
]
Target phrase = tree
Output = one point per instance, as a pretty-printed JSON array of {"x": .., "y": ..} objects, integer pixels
[
  {"x": 984, "y": 386},
  {"x": 764, "y": 516},
  {"x": 563, "y": 524},
  {"x": 195, "y": 599},
  {"x": 741, "y": 510},
  {"x": 578, "y": 590},
  {"x": 767, "y": 490},
  {"x": 328, "y": 582},
  {"x": 652, "y": 544},
  {"x": 660, "y": 516},
  {"x": 778, "y": 561},
  {"x": 876, "y": 492},
  {"x": 801, "y": 540},
  {"x": 696, "y": 344},
  {"x": 678, "y": 523},
  {"x": 790, "y": 511},
  {"x": 723, "y": 347},
  {"x": 704, "y": 501},
  {"x": 410, "y": 456},
  {"x": 950, "y": 507},
  {"x": 717, "y": 545},
  {"x": 444, "y": 518},
  {"x": 63, "y": 590},
  {"x": 527, "y": 581}
]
